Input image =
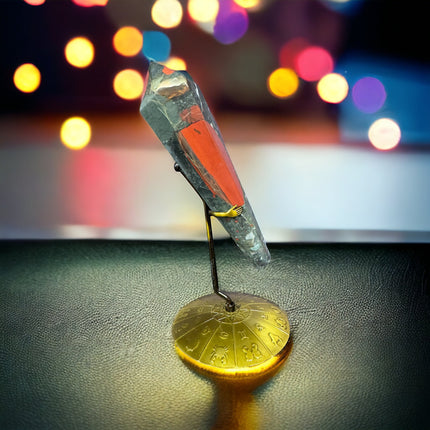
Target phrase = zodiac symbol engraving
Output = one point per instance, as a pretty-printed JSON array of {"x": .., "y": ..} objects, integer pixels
[
  {"x": 259, "y": 327},
  {"x": 219, "y": 354},
  {"x": 191, "y": 349},
  {"x": 248, "y": 354},
  {"x": 242, "y": 334},
  {"x": 183, "y": 326},
  {"x": 276, "y": 340},
  {"x": 224, "y": 335},
  {"x": 252, "y": 354},
  {"x": 281, "y": 322},
  {"x": 205, "y": 331}
]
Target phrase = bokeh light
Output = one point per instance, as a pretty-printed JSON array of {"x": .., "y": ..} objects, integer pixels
[
  {"x": 248, "y": 4},
  {"x": 128, "y": 84},
  {"x": 176, "y": 63},
  {"x": 289, "y": 51},
  {"x": 75, "y": 133},
  {"x": 384, "y": 134},
  {"x": 35, "y": 2},
  {"x": 203, "y": 10},
  {"x": 283, "y": 82},
  {"x": 89, "y": 3},
  {"x": 79, "y": 52},
  {"x": 333, "y": 88},
  {"x": 167, "y": 13},
  {"x": 313, "y": 62},
  {"x": 27, "y": 78},
  {"x": 344, "y": 6},
  {"x": 128, "y": 41},
  {"x": 231, "y": 22},
  {"x": 368, "y": 94},
  {"x": 156, "y": 45}
]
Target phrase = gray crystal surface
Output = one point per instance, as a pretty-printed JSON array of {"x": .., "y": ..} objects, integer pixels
[{"x": 176, "y": 110}]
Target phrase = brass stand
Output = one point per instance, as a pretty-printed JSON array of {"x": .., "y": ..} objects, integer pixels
[{"x": 244, "y": 337}]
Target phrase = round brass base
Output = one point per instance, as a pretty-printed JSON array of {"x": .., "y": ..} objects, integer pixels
[{"x": 247, "y": 342}]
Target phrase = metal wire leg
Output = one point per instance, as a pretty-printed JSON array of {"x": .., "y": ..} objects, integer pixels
[{"x": 230, "y": 306}]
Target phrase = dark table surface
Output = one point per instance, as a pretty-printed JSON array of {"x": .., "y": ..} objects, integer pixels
[{"x": 86, "y": 343}]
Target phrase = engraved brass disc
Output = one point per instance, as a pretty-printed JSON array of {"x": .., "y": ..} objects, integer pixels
[{"x": 247, "y": 342}]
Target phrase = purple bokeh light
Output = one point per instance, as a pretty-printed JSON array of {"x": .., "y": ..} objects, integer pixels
[
  {"x": 368, "y": 94},
  {"x": 231, "y": 22}
]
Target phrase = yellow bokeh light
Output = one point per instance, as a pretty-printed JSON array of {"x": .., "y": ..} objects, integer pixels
[
  {"x": 384, "y": 134},
  {"x": 333, "y": 88},
  {"x": 248, "y": 4},
  {"x": 176, "y": 63},
  {"x": 27, "y": 78},
  {"x": 283, "y": 82},
  {"x": 167, "y": 13},
  {"x": 203, "y": 10},
  {"x": 128, "y": 41},
  {"x": 79, "y": 52},
  {"x": 128, "y": 84},
  {"x": 75, "y": 133}
]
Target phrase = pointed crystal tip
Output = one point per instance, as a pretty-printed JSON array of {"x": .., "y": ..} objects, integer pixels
[
  {"x": 166, "y": 82},
  {"x": 156, "y": 69}
]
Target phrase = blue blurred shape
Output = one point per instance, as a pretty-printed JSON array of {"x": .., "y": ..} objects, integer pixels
[
  {"x": 407, "y": 87},
  {"x": 347, "y": 7},
  {"x": 156, "y": 45}
]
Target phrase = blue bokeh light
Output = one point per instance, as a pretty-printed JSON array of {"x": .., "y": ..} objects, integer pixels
[{"x": 156, "y": 45}]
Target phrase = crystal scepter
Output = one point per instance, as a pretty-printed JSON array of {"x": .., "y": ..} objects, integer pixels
[{"x": 175, "y": 109}]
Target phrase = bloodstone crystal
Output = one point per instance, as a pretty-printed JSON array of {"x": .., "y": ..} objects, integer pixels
[{"x": 175, "y": 109}]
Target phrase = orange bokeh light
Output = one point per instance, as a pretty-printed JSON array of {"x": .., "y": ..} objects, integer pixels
[
  {"x": 128, "y": 84},
  {"x": 283, "y": 82},
  {"x": 175, "y": 63},
  {"x": 35, "y": 2},
  {"x": 128, "y": 41},
  {"x": 75, "y": 133},
  {"x": 27, "y": 78},
  {"x": 79, "y": 52}
]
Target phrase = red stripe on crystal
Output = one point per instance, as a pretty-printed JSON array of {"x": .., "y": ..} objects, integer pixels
[
  {"x": 208, "y": 148},
  {"x": 167, "y": 71}
]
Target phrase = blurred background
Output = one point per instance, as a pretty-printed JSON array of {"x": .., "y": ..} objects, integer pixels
[{"x": 323, "y": 105}]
